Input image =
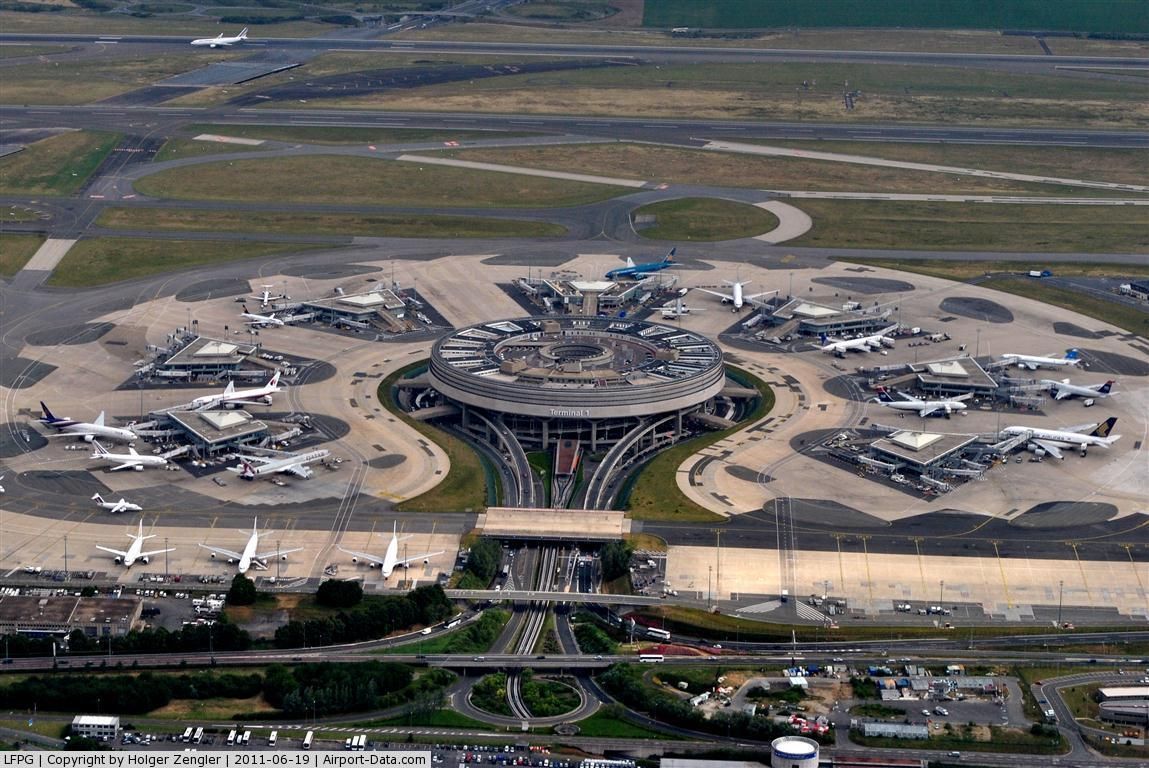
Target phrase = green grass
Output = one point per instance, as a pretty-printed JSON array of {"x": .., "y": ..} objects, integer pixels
[
  {"x": 336, "y": 136},
  {"x": 465, "y": 486},
  {"x": 877, "y": 710},
  {"x": 490, "y": 694},
  {"x": 179, "y": 149},
  {"x": 654, "y": 493},
  {"x": 18, "y": 51},
  {"x": 103, "y": 260},
  {"x": 377, "y": 225},
  {"x": 15, "y": 250},
  {"x": 58, "y": 165},
  {"x": 366, "y": 181},
  {"x": 887, "y": 225},
  {"x": 608, "y": 723},
  {"x": 442, "y": 718},
  {"x": 1122, "y": 16},
  {"x": 1115, "y": 313},
  {"x": 51, "y": 728},
  {"x": 704, "y": 219},
  {"x": 476, "y": 638},
  {"x": 548, "y": 698}
]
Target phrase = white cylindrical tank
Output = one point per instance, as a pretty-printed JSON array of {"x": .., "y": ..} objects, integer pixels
[{"x": 794, "y": 752}]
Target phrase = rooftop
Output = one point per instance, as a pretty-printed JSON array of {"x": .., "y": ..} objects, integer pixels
[
  {"x": 203, "y": 350},
  {"x": 218, "y": 426},
  {"x": 921, "y": 448}
]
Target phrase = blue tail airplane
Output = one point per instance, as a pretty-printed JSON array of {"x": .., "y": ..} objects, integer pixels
[{"x": 634, "y": 271}]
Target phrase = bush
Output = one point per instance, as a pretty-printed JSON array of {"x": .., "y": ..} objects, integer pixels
[
  {"x": 616, "y": 559},
  {"x": 484, "y": 560},
  {"x": 339, "y": 593},
  {"x": 591, "y": 639},
  {"x": 373, "y": 618},
  {"x": 242, "y": 591}
]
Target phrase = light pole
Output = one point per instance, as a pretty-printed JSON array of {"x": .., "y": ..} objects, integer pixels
[
  {"x": 65, "y": 558},
  {"x": 941, "y": 591},
  {"x": 1060, "y": 593},
  {"x": 709, "y": 594},
  {"x": 167, "y": 568}
]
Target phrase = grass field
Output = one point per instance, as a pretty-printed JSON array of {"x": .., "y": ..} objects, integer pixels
[
  {"x": 775, "y": 91},
  {"x": 1073, "y": 15},
  {"x": 15, "y": 250},
  {"x": 51, "y": 728},
  {"x": 887, "y": 225},
  {"x": 58, "y": 165},
  {"x": 20, "y": 51},
  {"x": 465, "y": 487},
  {"x": 442, "y": 718},
  {"x": 360, "y": 181},
  {"x": 102, "y": 260},
  {"x": 654, "y": 493},
  {"x": 1011, "y": 740},
  {"x": 178, "y": 149},
  {"x": 727, "y": 169},
  {"x": 704, "y": 219},
  {"x": 336, "y": 135},
  {"x": 82, "y": 22},
  {"x": 609, "y": 724},
  {"x": 379, "y": 225},
  {"x": 209, "y": 709},
  {"x": 1118, "y": 314},
  {"x": 968, "y": 270},
  {"x": 646, "y": 541}
]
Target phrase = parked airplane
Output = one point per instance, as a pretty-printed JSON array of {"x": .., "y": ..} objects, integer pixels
[
  {"x": 839, "y": 347},
  {"x": 1033, "y": 362},
  {"x": 390, "y": 558},
  {"x": 250, "y": 555},
  {"x": 130, "y": 460},
  {"x": 89, "y": 432},
  {"x": 2, "y": 487},
  {"x": 634, "y": 271},
  {"x": 237, "y": 397},
  {"x": 737, "y": 297},
  {"x": 252, "y": 467},
  {"x": 1062, "y": 390},
  {"x": 261, "y": 320},
  {"x": 266, "y": 296},
  {"x": 221, "y": 41},
  {"x": 1053, "y": 440},
  {"x": 123, "y": 505},
  {"x": 134, "y": 553},
  {"x": 677, "y": 309},
  {"x": 923, "y": 407}
]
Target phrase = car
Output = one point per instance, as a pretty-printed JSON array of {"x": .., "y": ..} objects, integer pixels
[{"x": 926, "y": 712}]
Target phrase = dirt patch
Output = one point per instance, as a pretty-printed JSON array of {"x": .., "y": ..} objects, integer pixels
[
  {"x": 629, "y": 14},
  {"x": 213, "y": 709}
]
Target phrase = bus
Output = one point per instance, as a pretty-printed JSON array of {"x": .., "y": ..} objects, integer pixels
[
  {"x": 198, "y": 736},
  {"x": 661, "y": 634},
  {"x": 246, "y": 738},
  {"x": 272, "y": 738},
  {"x": 187, "y": 735},
  {"x": 359, "y": 743},
  {"x": 310, "y": 737},
  {"x": 231, "y": 738},
  {"x": 651, "y": 658}
]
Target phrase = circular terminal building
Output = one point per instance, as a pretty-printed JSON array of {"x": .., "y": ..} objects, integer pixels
[{"x": 597, "y": 380}]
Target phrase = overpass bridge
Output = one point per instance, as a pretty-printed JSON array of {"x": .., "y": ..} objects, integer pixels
[{"x": 526, "y": 596}]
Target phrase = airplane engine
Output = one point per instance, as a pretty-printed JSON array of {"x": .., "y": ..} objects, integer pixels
[
  {"x": 213, "y": 555},
  {"x": 139, "y": 467},
  {"x": 355, "y": 559},
  {"x": 89, "y": 438},
  {"x": 374, "y": 565},
  {"x": 1084, "y": 450},
  {"x": 118, "y": 560},
  {"x": 231, "y": 561},
  {"x": 426, "y": 560},
  {"x": 145, "y": 559},
  {"x": 283, "y": 557},
  {"x": 266, "y": 399}
]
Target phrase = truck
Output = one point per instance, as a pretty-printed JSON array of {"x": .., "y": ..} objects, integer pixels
[{"x": 1040, "y": 273}]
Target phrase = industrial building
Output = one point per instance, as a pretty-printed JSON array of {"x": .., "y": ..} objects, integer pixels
[
  {"x": 808, "y": 318},
  {"x": 202, "y": 356},
  {"x": 98, "y": 727},
  {"x": 379, "y": 309},
  {"x": 214, "y": 432},
  {"x": 60, "y": 615}
]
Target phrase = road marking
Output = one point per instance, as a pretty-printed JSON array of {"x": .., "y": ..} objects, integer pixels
[{"x": 1004, "y": 583}]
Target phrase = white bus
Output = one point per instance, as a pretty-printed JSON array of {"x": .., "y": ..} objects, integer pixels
[
  {"x": 661, "y": 634},
  {"x": 272, "y": 738},
  {"x": 651, "y": 658},
  {"x": 360, "y": 742},
  {"x": 187, "y": 734},
  {"x": 198, "y": 737},
  {"x": 310, "y": 737},
  {"x": 231, "y": 738},
  {"x": 246, "y": 738}
]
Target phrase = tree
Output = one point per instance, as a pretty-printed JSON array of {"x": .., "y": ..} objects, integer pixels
[
  {"x": 242, "y": 591},
  {"x": 339, "y": 593},
  {"x": 616, "y": 559}
]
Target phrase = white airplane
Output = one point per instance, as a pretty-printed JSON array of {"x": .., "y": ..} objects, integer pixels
[
  {"x": 677, "y": 309},
  {"x": 250, "y": 556},
  {"x": 390, "y": 558},
  {"x": 221, "y": 41},
  {"x": 238, "y": 397},
  {"x": 1062, "y": 390},
  {"x": 130, "y": 460},
  {"x": 737, "y": 297},
  {"x": 839, "y": 347},
  {"x": 262, "y": 320},
  {"x": 2, "y": 487},
  {"x": 265, "y": 296},
  {"x": 134, "y": 553},
  {"x": 85, "y": 430},
  {"x": 1053, "y": 440},
  {"x": 923, "y": 407},
  {"x": 115, "y": 507},
  {"x": 1033, "y": 362},
  {"x": 251, "y": 467}
]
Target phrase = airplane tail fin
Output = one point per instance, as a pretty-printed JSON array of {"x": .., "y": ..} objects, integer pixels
[
  {"x": 99, "y": 422},
  {"x": 884, "y": 395},
  {"x": 97, "y": 498},
  {"x": 629, "y": 262},
  {"x": 49, "y": 417},
  {"x": 1071, "y": 354},
  {"x": 230, "y": 388},
  {"x": 1104, "y": 388},
  {"x": 100, "y": 450},
  {"x": 274, "y": 380},
  {"x": 823, "y": 338},
  {"x": 668, "y": 258},
  {"x": 243, "y": 35},
  {"x": 1104, "y": 428}
]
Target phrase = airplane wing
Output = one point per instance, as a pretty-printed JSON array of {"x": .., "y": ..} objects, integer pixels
[
  {"x": 254, "y": 459},
  {"x": 299, "y": 470},
  {"x": 155, "y": 552},
  {"x": 363, "y": 556},
  {"x": 119, "y": 506},
  {"x": 1062, "y": 393},
  {"x": 424, "y": 556},
  {"x": 277, "y": 553},
  {"x": 1082, "y": 428},
  {"x": 927, "y": 410},
  {"x": 719, "y": 294},
  {"x": 126, "y": 464},
  {"x": 222, "y": 551},
  {"x": 85, "y": 435},
  {"x": 1050, "y": 448},
  {"x": 119, "y": 552}
]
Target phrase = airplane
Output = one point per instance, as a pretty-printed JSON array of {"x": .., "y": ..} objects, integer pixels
[
  {"x": 923, "y": 407},
  {"x": 252, "y": 467},
  {"x": 1033, "y": 362},
  {"x": 2, "y": 487},
  {"x": 634, "y": 271},
  {"x": 1053, "y": 440},
  {"x": 839, "y": 347},
  {"x": 250, "y": 556},
  {"x": 85, "y": 430},
  {"x": 221, "y": 41},
  {"x": 1063, "y": 389},
  {"x": 130, "y": 460},
  {"x": 737, "y": 298},
  {"x": 261, "y": 320},
  {"x": 133, "y": 553},
  {"x": 237, "y": 397},
  {"x": 390, "y": 559},
  {"x": 677, "y": 309},
  {"x": 123, "y": 505},
  {"x": 266, "y": 296}
]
